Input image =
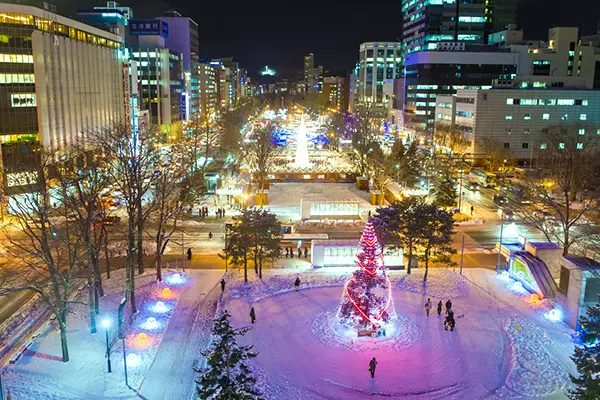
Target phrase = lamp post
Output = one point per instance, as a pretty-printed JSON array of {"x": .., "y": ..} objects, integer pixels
[
  {"x": 106, "y": 325},
  {"x": 460, "y": 194},
  {"x": 122, "y": 336},
  {"x": 500, "y": 244}
]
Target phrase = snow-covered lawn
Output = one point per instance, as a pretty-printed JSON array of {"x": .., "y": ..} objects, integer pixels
[
  {"x": 41, "y": 375},
  {"x": 503, "y": 347}
]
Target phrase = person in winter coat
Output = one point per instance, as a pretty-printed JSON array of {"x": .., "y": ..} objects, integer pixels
[
  {"x": 297, "y": 283},
  {"x": 299, "y": 252},
  {"x": 372, "y": 366},
  {"x": 252, "y": 315},
  {"x": 448, "y": 306},
  {"x": 222, "y": 285},
  {"x": 287, "y": 252},
  {"x": 189, "y": 253},
  {"x": 210, "y": 235},
  {"x": 428, "y": 306},
  {"x": 306, "y": 252},
  {"x": 450, "y": 322},
  {"x": 439, "y": 308}
]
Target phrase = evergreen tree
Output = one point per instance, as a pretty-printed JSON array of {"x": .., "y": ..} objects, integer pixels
[
  {"x": 367, "y": 298},
  {"x": 445, "y": 193},
  {"x": 587, "y": 358},
  {"x": 227, "y": 377},
  {"x": 436, "y": 236}
]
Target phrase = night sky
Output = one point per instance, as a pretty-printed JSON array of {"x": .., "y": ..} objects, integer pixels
[{"x": 280, "y": 33}]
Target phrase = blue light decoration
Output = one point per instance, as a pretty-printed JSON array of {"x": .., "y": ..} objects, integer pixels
[
  {"x": 151, "y": 324},
  {"x": 386, "y": 127},
  {"x": 175, "y": 279},
  {"x": 160, "y": 308}
]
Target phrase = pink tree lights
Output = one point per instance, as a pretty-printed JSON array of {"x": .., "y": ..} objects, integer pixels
[{"x": 367, "y": 297}]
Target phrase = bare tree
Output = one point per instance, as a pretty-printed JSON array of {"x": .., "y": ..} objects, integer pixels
[
  {"x": 567, "y": 187},
  {"x": 132, "y": 160},
  {"x": 368, "y": 119},
  {"x": 169, "y": 199},
  {"x": 261, "y": 152},
  {"x": 494, "y": 153},
  {"x": 81, "y": 180},
  {"x": 49, "y": 252},
  {"x": 452, "y": 137}
]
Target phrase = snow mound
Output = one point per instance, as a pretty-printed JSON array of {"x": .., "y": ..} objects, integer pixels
[
  {"x": 535, "y": 371},
  {"x": 440, "y": 284},
  {"x": 472, "y": 222},
  {"x": 400, "y": 334}
]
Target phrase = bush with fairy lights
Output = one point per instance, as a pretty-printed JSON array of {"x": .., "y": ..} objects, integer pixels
[{"x": 367, "y": 298}]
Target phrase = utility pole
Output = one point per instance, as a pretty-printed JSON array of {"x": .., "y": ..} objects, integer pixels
[
  {"x": 500, "y": 243},
  {"x": 460, "y": 193},
  {"x": 462, "y": 252}
]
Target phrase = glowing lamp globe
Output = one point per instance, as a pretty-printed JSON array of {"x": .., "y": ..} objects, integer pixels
[
  {"x": 504, "y": 275},
  {"x": 554, "y": 315},
  {"x": 166, "y": 293},
  {"x": 176, "y": 279},
  {"x": 151, "y": 324}
]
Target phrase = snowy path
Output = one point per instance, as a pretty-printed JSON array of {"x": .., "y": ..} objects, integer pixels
[{"x": 171, "y": 376}]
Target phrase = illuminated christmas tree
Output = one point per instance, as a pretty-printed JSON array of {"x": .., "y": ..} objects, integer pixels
[{"x": 367, "y": 298}]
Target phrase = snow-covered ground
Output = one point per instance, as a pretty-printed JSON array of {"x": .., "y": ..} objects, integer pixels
[
  {"x": 503, "y": 347},
  {"x": 166, "y": 353}
]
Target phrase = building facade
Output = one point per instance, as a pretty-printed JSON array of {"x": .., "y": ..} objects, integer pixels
[
  {"x": 428, "y": 74},
  {"x": 60, "y": 80},
  {"x": 335, "y": 93},
  {"x": 378, "y": 62},
  {"x": 208, "y": 87},
  {"x": 429, "y": 22},
  {"x": 516, "y": 119}
]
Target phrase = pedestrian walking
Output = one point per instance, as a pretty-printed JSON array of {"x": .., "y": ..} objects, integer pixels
[
  {"x": 222, "y": 284},
  {"x": 223, "y": 212},
  {"x": 252, "y": 315},
  {"x": 189, "y": 253},
  {"x": 472, "y": 210},
  {"x": 210, "y": 235},
  {"x": 372, "y": 366},
  {"x": 299, "y": 252},
  {"x": 428, "y": 306},
  {"x": 448, "y": 306},
  {"x": 297, "y": 283},
  {"x": 439, "y": 308},
  {"x": 287, "y": 252},
  {"x": 291, "y": 253},
  {"x": 305, "y": 252}
]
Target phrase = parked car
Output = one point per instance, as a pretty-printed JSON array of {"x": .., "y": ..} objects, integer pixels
[
  {"x": 499, "y": 199},
  {"x": 473, "y": 186}
]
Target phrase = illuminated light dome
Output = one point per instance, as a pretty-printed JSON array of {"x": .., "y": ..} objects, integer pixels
[
  {"x": 160, "y": 308},
  {"x": 133, "y": 360},
  {"x": 141, "y": 338},
  {"x": 166, "y": 293},
  {"x": 151, "y": 324},
  {"x": 534, "y": 298},
  {"x": 175, "y": 279},
  {"x": 554, "y": 315},
  {"x": 517, "y": 287}
]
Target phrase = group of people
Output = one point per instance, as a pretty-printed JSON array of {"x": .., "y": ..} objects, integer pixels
[
  {"x": 219, "y": 212},
  {"x": 289, "y": 252},
  {"x": 449, "y": 321}
]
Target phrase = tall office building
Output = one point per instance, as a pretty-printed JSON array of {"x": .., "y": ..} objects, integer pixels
[
  {"x": 378, "y": 63},
  {"x": 60, "y": 81},
  {"x": 208, "y": 86},
  {"x": 309, "y": 66},
  {"x": 335, "y": 93},
  {"x": 183, "y": 37},
  {"x": 428, "y": 22}
]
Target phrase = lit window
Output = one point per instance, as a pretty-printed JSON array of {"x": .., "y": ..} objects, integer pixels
[
  {"x": 566, "y": 102},
  {"x": 508, "y": 131},
  {"x": 583, "y": 117},
  {"x": 543, "y": 146},
  {"x": 565, "y": 117},
  {"x": 584, "y": 102},
  {"x": 561, "y": 146},
  {"x": 546, "y": 116},
  {"x": 509, "y": 101},
  {"x": 508, "y": 117},
  {"x": 23, "y": 100},
  {"x": 579, "y": 146},
  {"x": 527, "y": 117},
  {"x": 526, "y": 131},
  {"x": 16, "y": 78},
  {"x": 581, "y": 131}
]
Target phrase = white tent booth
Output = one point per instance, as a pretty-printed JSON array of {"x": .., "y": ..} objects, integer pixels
[{"x": 341, "y": 253}]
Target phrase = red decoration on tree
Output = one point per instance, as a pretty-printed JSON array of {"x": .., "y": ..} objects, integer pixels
[{"x": 367, "y": 298}]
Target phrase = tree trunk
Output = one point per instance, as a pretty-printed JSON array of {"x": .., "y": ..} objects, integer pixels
[
  {"x": 106, "y": 259},
  {"x": 130, "y": 266},
  {"x": 158, "y": 258},
  {"x": 410, "y": 249},
  {"x": 260, "y": 258},
  {"x": 256, "y": 261},
  {"x": 63, "y": 340},
  {"x": 566, "y": 226},
  {"x": 426, "y": 264},
  {"x": 245, "y": 266},
  {"x": 140, "y": 239},
  {"x": 92, "y": 305}
]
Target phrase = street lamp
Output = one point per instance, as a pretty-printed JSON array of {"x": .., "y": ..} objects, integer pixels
[
  {"x": 106, "y": 325},
  {"x": 500, "y": 243},
  {"x": 460, "y": 194}
]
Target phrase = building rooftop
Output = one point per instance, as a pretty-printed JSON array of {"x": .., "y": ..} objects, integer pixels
[
  {"x": 544, "y": 245},
  {"x": 583, "y": 262}
]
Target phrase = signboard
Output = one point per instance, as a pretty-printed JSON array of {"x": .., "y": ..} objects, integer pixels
[
  {"x": 21, "y": 178},
  {"x": 148, "y": 27}
]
